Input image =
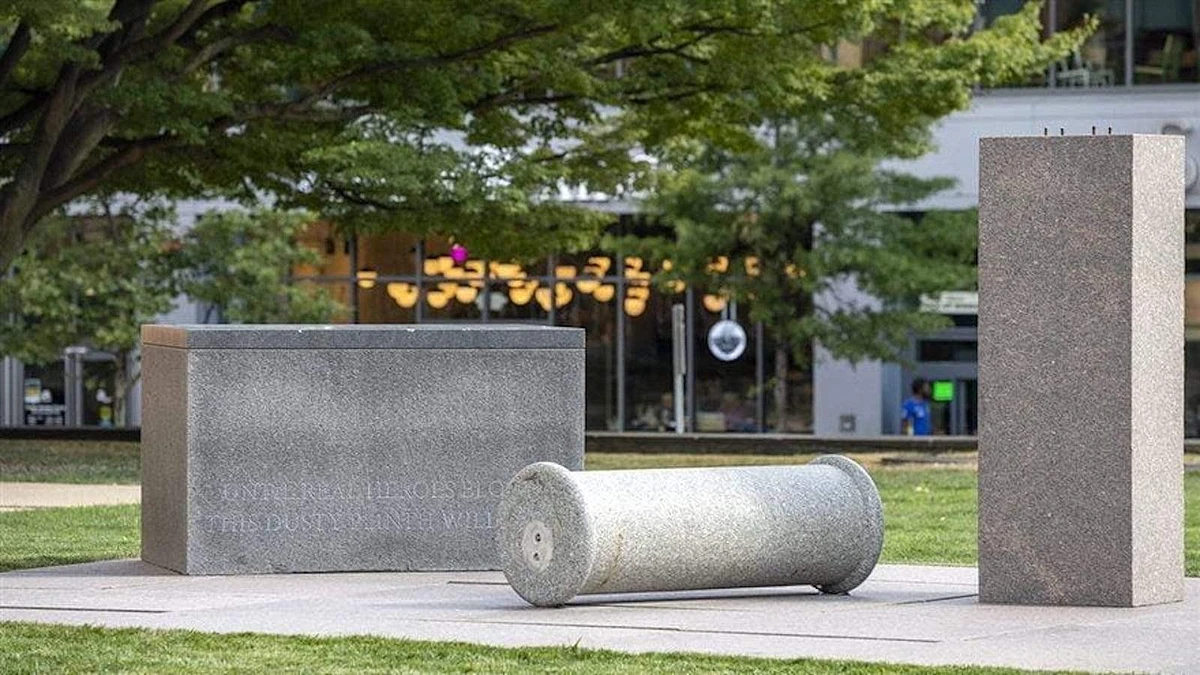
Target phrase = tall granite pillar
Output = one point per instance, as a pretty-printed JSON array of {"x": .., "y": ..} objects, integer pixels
[{"x": 1081, "y": 370}]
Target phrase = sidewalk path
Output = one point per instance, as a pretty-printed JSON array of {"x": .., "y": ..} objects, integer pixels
[
  {"x": 14, "y": 496},
  {"x": 903, "y": 613}
]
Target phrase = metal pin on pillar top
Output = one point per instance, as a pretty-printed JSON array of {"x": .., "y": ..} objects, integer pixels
[{"x": 564, "y": 533}]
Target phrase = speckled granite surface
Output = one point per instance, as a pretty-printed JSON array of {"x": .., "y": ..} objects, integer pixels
[
  {"x": 314, "y": 458},
  {"x": 1081, "y": 370},
  {"x": 565, "y": 533}
]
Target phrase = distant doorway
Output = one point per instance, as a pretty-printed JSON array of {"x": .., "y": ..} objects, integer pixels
[{"x": 955, "y": 407}]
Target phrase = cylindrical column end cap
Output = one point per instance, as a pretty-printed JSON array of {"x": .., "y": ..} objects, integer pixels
[
  {"x": 545, "y": 539},
  {"x": 870, "y": 528}
]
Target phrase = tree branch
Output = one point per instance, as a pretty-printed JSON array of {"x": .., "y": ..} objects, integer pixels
[
  {"x": 359, "y": 200},
  {"x": 87, "y": 180},
  {"x": 641, "y": 98},
  {"x": 219, "y": 11},
  {"x": 383, "y": 67},
  {"x": 514, "y": 98},
  {"x": 23, "y": 115},
  {"x": 214, "y": 49},
  {"x": 191, "y": 19},
  {"x": 647, "y": 49},
  {"x": 17, "y": 45},
  {"x": 160, "y": 40},
  {"x": 298, "y": 112},
  {"x": 131, "y": 17},
  {"x": 83, "y": 133}
]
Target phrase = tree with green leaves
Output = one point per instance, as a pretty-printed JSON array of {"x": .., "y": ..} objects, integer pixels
[
  {"x": 802, "y": 217},
  {"x": 240, "y": 264},
  {"x": 91, "y": 280},
  {"x": 795, "y": 227},
  {"x": 448, "y": 117}
]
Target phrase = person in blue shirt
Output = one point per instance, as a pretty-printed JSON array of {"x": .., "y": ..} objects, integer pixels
[{"x": 915, "y": 419}]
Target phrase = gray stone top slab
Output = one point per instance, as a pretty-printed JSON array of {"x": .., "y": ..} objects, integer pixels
[
  {"x": 1072, "y": 138},
  {"x": 363, "y": 336}
]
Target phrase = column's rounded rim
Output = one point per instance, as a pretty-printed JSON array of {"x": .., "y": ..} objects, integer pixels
[
  {"x": 872, "y": 526},
  {"x": 547, "y": 494}
]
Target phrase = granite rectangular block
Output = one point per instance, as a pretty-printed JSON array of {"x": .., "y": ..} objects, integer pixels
[
  {"x": 346, "y": 448},
  {"x": 1081, "y": 274}
]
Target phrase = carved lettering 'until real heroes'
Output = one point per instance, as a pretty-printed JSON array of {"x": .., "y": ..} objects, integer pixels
[{"x": 319, "y": 506}]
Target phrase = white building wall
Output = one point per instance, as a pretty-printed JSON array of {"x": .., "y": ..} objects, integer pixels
[
  {"x": 847, "y": 398},
  {"x": 1127, "y": 110},
  {"x": 870, "y": 390}
]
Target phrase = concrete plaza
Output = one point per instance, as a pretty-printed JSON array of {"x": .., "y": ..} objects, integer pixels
[
  {"x": 903, "y": 613},
  {"x": 19, "y": 496}
]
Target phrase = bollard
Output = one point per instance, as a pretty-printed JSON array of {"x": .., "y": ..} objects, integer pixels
[{"x": 564, "y": 533}]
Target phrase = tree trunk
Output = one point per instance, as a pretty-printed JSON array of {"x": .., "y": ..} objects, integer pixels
[
  {"x": 19, "y": 197},
  {"x": 122, "y": 388},
  {"x": 781, "y": 383},
  {"x": 12, "y": 240},
  {"x": 66, "y": 131}
]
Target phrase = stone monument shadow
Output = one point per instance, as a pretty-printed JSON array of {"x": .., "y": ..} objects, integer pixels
[{"x": 129, "y": 567}]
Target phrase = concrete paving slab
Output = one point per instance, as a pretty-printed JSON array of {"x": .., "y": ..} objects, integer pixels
[
  {"x": 16, "y": 496},
  {"x": 903, "y": 613}
]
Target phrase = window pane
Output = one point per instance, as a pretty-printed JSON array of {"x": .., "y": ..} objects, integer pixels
[
  {"x": 451, "y": 300},
  {"x": 649, "y": 398},
  {"x": 387, "y": 302},
  {"x": 598, "y": 318},
  {"x": 797, "y": 389},
  {"x": 44, "y": 394},
  {"x": 524, "y": 300},
  {"x": 1165, "y": 39},
  {"x": 1191, "y": 390},
  {"x": 948, "y": 350},
  {"x": 333, "y": 248},
  {"x": 1099, "y": 62},
  {"x": 99, "y": 385},
  {"x": 725, "y": 390},
  {"x": 391, "y": 254}
]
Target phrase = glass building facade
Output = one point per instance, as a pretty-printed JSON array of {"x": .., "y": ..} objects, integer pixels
[
  {"x": 395, "y": 278},
  {"x": 1135, "y": 42}
]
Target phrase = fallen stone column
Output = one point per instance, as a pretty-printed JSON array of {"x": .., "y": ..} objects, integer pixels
[{"x": 564, "y": 533}]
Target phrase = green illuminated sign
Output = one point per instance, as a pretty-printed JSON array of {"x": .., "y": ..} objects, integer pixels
[{"x": 943, "y": 390}]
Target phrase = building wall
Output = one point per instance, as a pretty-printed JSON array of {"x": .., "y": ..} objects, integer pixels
[
  {"x": 847, "y": 398},
  {"x": 1127, "y": 110},
  {"x": 873, "y": 394}
]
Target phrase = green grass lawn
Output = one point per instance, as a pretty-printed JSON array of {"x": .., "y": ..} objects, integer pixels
[
  {"x": 44, "y": 537},
  {"x": 69, "y": 462},
  {"x": 929, "y": 516},
  {"x": 32, "y": 648}
]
